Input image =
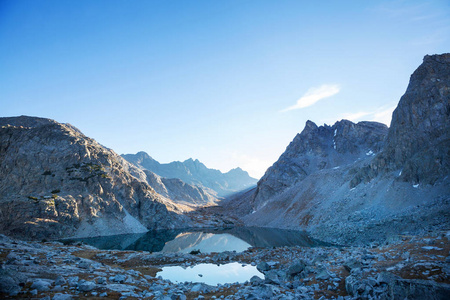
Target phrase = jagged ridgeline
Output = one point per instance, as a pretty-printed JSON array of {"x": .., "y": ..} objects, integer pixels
[
  {"x": 359, "y": 182},
  {"x": 57, "y": 182},
  {"x": 196, "y": 173}
]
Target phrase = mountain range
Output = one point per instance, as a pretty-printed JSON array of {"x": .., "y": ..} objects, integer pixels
[
  {"x": 347, "y": 183},
  {"x": 195, "y": 173}
]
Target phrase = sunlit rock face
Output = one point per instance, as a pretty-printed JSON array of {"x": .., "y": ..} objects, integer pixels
[
  {"x": 193, "y": 172},
  {"x": 56, "y": 182},
  {"x": 353, "y": 183}
]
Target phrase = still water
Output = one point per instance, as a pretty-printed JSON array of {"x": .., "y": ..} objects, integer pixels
[
  {"x": 211, "y": 274},
  {"x": 205, "y": 240}
]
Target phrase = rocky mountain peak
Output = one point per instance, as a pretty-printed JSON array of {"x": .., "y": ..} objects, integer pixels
[
  {"x": 57, "y": 182},
  {"x": 196, "y": 173},
  {"x": 321, "y": 147},
  {"x": 418, "y": 140},
  {"x": 310, "y": 126}
]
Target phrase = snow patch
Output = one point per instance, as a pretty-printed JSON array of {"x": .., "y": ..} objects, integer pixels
[
  {"x": 370, "y": 152},
  {"x": 415, "y": 186},
  {"x": 132, "y": 224},
  {"x": 400, "y": 174},
  {"x": 109, "y": 225},
  {"x": 335, "y": 132},
  {"x": 335, "y": 168},
  {"x": 352, "y": 189}
]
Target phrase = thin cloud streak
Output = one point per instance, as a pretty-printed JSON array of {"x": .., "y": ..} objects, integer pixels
[
  {"x": 313, "y": 95},
  {"x": 382, "y": 115}
]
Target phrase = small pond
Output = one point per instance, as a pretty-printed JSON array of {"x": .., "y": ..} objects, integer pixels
[
  {"x": 205, "y": 240},
  {"x": 210, "y": 274}
]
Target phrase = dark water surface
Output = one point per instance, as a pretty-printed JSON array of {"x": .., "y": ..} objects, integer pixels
[{"x": 206, "y": 240}]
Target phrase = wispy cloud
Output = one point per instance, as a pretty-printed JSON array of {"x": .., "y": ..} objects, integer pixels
[
  {"x": 382, "y": 115},
  {"x": 314, "y": 95}
]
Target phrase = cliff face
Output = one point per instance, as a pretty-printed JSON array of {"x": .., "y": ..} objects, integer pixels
[
  {"x": 418, "y": 143},
  {"x": 56, "y": 182},
  {"x": 194, "y": 172},
  {"x": 368, "y": 182}
]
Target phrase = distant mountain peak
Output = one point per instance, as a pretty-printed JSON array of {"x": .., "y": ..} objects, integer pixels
[{"x": 193, "y": 171}]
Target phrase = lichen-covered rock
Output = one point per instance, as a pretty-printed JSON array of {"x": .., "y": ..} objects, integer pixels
[{"x": 56, "y": 182}]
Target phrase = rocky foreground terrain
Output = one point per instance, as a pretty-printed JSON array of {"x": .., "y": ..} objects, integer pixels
[{"x": 409, "y": 267}]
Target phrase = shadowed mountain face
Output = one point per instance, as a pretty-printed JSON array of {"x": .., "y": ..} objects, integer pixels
[
  {"x": 352, "y": 183},
  {"x": 56, "y": 182},
  {"x": 418, "y": 142},
  {"x": 317, "y": 148},
  {"x": 195, "y": 173}
]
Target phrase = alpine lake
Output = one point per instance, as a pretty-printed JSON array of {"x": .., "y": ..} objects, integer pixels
[{"x": 206, "y": 241}]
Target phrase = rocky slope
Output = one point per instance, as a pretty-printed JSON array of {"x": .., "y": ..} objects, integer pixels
[
  {"x": 57, "y": 182},
  {"x": 356, "y": 186},
  {"x": 195, "y": 173}
]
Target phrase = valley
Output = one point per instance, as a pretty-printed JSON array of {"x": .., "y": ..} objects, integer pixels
[{"x": 348, "y": 211}]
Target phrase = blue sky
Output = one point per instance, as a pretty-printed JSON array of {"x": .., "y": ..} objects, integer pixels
[{"x": 227, "y": 82}]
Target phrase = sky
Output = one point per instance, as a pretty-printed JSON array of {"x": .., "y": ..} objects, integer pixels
[{"x": 227, "y": 82}]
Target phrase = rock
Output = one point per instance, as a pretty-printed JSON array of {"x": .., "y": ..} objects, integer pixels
[
  {"x": 418, "y": 289},
  {"x": 296, "y": 268},
  {"x": 60, "y": 280},
  {"x": 263, "y": 267},
  {"x": 101, "y": 280},
  {"x": 60, "y": 296},
  {"x": 8, "y": 284},
  {"x": 84, "y": 265},
  {"x": 255, "y": 280},
  {"x": 200, "y": 288},
  {"x": 87, "y": 286},
  {"x": 264, "y": 291},
  {"x": 73, "y": 281},
  {"x": 323, "y": 275},
  {"x": 275, "y": 277},
  {"x": 118, "y": 278},
  {"x": 41, "y": 285},
  {"x": 352, "y": 264},
  {"x": 387, "y": 278}
]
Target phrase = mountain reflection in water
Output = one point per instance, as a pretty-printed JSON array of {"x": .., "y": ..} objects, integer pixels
[{"x": 206, "y": 240}]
